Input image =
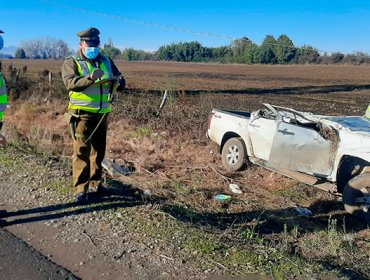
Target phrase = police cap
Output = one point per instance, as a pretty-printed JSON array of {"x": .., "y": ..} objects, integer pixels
[{"x": 90, "y": 36}]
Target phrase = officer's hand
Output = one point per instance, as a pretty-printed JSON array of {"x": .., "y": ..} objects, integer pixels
[
  {"x": 3, "y": 141},
  {"x": 96, "y": 74},
  {"x": 121, "y": 83}
]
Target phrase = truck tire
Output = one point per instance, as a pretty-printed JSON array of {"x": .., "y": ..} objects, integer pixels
[
  {"x": 349, "y": 168},
  {"x": 356, "y": 196},
  {"x": 234, "y": 154}
]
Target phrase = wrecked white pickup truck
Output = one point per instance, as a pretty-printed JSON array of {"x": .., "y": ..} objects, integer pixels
[{"x": 329, "y": 152}]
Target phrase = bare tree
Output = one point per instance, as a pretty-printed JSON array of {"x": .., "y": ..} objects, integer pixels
[
  {"x": 63, "y": 49},
  {"x": 32, "y": 48},
  {"x": 47, "y": 47}
]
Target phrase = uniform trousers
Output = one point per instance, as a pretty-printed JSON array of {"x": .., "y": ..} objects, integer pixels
[{"x": 89, "y": 150}]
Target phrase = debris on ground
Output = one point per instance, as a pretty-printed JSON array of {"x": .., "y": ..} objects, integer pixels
[
  {"x": 115, "y": 169},
  {"x": 235, "y": 188},
  {"x": 222, "y": 197},
  {"x": 303, "y": 212}
]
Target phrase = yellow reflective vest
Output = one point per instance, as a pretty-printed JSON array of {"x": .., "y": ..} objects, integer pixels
[
  {"x": 95, "y": 98},
  {"x": 3, "y": 97},
  {"x": 367, "y": 114}
]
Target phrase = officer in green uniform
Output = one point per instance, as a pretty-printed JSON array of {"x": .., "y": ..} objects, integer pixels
[
  {"x": 89, "y": 107},
  {"x": 3, "y": 104},
  {"x": 3, "y": 97}
]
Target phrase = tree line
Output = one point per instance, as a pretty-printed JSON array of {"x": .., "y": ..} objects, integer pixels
[{"x": 271, "y": 51}]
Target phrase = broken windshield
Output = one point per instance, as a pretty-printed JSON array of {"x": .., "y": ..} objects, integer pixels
[{"x": 353, "y": 123}]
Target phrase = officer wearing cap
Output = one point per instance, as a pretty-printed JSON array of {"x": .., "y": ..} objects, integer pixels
[
  {"x": 89, "y": 107},
  {"x": 3, "y": 97}
]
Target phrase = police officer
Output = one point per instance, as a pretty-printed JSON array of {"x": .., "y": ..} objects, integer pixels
[
  {"x": 89, "y": 107},
  {"x": 3, "y": 104},
  {"x": 367, "y": 114},
  {"x": 3, "y": 97}
]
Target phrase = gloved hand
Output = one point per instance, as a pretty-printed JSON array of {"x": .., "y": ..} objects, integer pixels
[
  {"x": 96, "y": 74},
  {"x": 121, "y": 83},
  {"x": 3, "y": 141}
]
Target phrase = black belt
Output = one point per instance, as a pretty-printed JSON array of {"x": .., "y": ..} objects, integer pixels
[{"x": 83, "y": 112}]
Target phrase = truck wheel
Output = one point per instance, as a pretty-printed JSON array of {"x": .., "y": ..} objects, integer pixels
[
  {"x": 234, "y": 154},
  {"x": 356, "y": 195}
]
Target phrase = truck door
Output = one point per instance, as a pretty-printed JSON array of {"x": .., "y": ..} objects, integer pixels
[
  {"x": 262, "y": 133},
  {"x": 301, "y": 148}
]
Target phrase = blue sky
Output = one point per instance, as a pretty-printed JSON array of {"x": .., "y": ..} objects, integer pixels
[{"x": 327, "y": 25}]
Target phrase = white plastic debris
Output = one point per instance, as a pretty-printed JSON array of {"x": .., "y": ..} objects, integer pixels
[
  {"x": 235, "y": 189},
  {"x": 304, "y": 212},
  {"x": 147, "y": 193},
  {"x": 114, "y": 169}
]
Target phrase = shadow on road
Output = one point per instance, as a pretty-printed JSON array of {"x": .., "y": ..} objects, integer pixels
[
  {"x": 123, "y": 196},
  {"x": 267, "y": 221}
]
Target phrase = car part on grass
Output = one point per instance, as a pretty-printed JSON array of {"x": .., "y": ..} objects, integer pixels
[
  {"x": 235, "y": 189},
  {"x": 356, "y": 195},
  {"x": 115, "y": 169}
]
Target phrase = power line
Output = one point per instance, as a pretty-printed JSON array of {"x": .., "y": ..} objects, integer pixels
[
  {"x": 142, "y": 22},
  {"x": 177, "y": 29}
]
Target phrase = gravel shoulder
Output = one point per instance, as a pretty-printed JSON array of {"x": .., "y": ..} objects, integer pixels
[{"x": 89, "y": 241}]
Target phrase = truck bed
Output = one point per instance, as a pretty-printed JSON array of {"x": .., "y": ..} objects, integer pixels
[{"x": 235, "y": 113}]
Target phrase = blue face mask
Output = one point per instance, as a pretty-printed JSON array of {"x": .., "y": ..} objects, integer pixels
[
  {"x": 91, "y": 52},
  {"x": 1, "y": 42}
]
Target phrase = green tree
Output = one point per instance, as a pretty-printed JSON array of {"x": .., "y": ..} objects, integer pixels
[
  {"x": 221, "y": 54},
  {"x": 164, "y": 53},
  {"x": 251, "y": 54},
  {"x": 20, "y": 54},
  {"x": 129, "y": 54},
  {"x": 238, "y": 48},
  {"x": 307, "y": 54},
  {"x": 189, "y": 51},
  {"x": 111, "y": 51},
  {"x": 132, "y": 54},
  {"x": 284, "y": 50},
  {"x": 266, "y": 54}
]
